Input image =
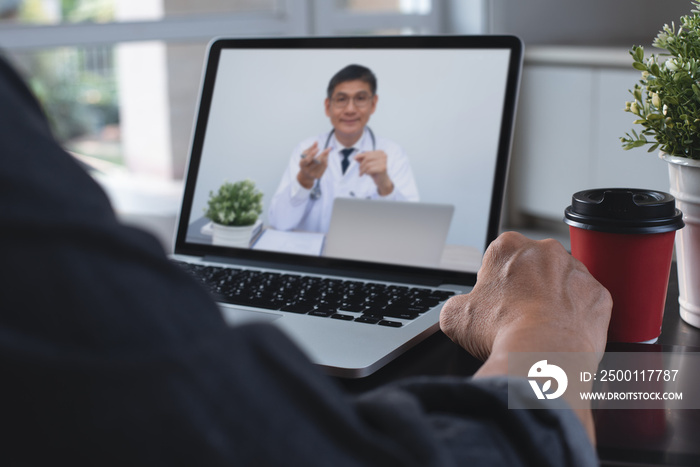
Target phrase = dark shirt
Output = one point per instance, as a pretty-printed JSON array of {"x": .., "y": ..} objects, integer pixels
[{"x": 111, "y": 355}]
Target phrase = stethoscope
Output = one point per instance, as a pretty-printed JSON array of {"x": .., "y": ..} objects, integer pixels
[{"x": 316, "y": 190}]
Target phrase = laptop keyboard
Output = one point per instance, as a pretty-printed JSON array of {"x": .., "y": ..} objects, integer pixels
[{"x": 349, "y": 300}]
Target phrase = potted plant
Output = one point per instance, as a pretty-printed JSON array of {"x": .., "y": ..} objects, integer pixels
[
  {"x": 234, "y": 212},
  {"x": 667, "y": 105}
]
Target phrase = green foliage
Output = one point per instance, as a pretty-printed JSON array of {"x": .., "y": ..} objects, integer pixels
[
  {"x": 76, "y": 104},
  {"x": 667, "y": 97},
  {"x": 236, "y": 204},
  {"x": 99, "y": 11},
  {"x": 71, "y": 11},
  {"x": 75, "y": 85}
]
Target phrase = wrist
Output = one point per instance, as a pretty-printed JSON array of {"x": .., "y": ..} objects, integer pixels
[
  {"x": 544, "y": 337},
  {"x": 384, "y": 185},
  {"x": 305, "y": 181}
]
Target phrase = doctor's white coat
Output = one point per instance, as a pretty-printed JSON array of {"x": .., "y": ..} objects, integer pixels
[{"x": 293, "y": 208}]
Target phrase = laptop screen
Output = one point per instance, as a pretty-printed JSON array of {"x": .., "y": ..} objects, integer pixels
[{"x": 426, "y": 124}]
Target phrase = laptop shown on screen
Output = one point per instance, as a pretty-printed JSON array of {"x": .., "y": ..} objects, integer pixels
[
  {"x": 393, "y": 232},
  {"x": 325, "y": 128}
]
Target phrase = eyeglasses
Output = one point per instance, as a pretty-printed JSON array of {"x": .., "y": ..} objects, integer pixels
[{"x": 360, "y": 100}]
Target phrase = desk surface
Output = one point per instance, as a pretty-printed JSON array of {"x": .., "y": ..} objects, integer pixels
[
  {"x": 454, "y": 257},
  {"x": 677, "y": 443}
]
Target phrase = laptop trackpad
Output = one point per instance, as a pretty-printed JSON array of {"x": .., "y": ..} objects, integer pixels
[{"x": 236, "y": 316}]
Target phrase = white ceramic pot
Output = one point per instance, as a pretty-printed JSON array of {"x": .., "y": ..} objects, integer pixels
[
  {"x": 684, "y": 176},
  {"x": 225, "y": 235}
]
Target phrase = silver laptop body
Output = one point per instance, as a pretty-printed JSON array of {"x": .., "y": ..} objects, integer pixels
[
  {"x": 253, "y": 109},
  {"x": 393, "y": 232}
]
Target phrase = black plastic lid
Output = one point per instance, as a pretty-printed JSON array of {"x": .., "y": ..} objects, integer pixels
[{"x": 624, "y": 210}]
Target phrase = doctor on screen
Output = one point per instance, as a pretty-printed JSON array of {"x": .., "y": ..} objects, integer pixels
[{"x": 348, "y": 161}]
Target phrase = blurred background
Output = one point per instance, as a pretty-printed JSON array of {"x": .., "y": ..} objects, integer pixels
[{"x": 119, "y": 81}]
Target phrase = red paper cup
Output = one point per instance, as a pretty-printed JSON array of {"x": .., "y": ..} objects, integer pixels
[{"x": 625, "y": 239}]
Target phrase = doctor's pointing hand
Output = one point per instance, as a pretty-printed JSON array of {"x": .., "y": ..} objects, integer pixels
[
  {"x": 312, "y": 165},
  {"x": 348, "y": 161}
]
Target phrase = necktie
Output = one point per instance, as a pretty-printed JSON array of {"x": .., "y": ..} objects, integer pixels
[{"x": 346, "y": 155}]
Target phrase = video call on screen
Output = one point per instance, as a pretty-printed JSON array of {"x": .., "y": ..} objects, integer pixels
[{"x": 442, "y": 107}]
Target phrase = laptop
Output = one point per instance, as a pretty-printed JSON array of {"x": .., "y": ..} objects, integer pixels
[
  {"x": 393, "y": 232},
  {"x": 448, "y": 101}
]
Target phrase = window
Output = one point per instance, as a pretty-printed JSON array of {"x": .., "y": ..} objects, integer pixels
[
  {"x": 385, "y": 6},
  {"x": 378, "y": 16},
  {"x": 119, "y": 78},
  {"x": 77, "y": 87}
]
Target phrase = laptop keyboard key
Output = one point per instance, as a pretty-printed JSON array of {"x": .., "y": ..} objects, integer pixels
[
  {"x": 392, "y": 324},
  {"x": 400, "y": 314},
  {"x": 343, "y": 317},
  {"x": 417, "y": 309},
  {"x": 441, "y": 295},
  {"x": 367, "y": 319},
  {"x": 321, "y": 313}
]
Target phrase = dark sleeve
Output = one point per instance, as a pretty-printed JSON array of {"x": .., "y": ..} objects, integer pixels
[
  {"x": 472, "y": 424},
  {"x": 110, "y": 355}
]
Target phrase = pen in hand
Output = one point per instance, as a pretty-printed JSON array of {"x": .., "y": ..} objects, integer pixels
[{"x": 312, "y": 165}]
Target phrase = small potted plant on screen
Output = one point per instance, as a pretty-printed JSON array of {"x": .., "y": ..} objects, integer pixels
[{"x": 234, "y": 211}]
